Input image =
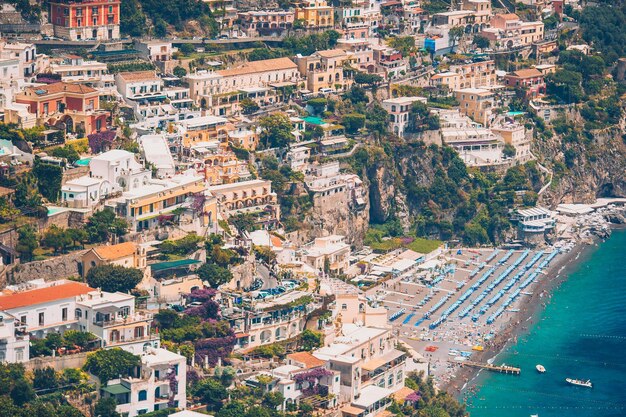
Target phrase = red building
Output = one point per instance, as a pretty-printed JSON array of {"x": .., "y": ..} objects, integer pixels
[
  {"x": 73, "y": 107},
  {"x": 530, "y": 80},
  {"x": 85, "y": 19}
]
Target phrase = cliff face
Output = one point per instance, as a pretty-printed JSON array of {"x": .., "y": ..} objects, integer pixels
[
  {"x": 335, "y": 214},
  {"x": 594, "y": 168}
]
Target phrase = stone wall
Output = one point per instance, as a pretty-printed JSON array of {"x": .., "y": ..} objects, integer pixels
[
  {"x": 59, "y": 363},
  {"x": 60, "y": 267}
]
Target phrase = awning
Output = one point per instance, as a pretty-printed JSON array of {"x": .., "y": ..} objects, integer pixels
[
  {"x": 116, "y": 389},
  {"x": 353, "y": 411},
  {"x": 380, "y": 361},
  {"x": 370, "y": 394}
]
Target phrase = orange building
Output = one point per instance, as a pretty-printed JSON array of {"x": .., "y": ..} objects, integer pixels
[
  {"x": 75, "y": 107},
  {"x": 85, "y": 19}
]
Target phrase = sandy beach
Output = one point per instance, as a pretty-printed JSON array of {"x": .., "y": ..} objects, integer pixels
[{"x": 463, "y": 380}]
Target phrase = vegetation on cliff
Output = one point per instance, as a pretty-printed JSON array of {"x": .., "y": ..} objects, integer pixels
[{"x": 441, "y": 197}]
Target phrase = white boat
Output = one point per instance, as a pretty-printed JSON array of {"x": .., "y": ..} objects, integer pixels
[
  {"x": 540, "y": 369},
  {"x": 579, "y": 382}
]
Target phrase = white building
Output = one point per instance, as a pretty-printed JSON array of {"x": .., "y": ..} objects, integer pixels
[
  {"x": 155, "y": 50},
  {"x": 25, "y": 53},
  {"x": 113, "y": 319},
  {"x": 110, "y": 173},
  {"x": 47, "y": 308},
  {"x": 14, "y": 343},
  {"x": 399, "y": 109},
  {"x": 156, "y": 151},
  {"x": 371, "y": 367},
  {"x": 74, "y": 69},
  {"x": 160, "y": 382},
  {"x": 139, "y": 85},
  {"x": 331, "y": 252}
]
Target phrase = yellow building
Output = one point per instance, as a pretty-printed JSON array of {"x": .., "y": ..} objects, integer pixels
[
  {"x": 316, "y": 14},
  {"x": 126, "y": 254},
  {"x": 156, "y": 202},
  {"x": 205, "y": 129},
  {"x": 477, "y": 104},
  {"x": 224, "y": 168},
  {"x": 325, "y": 69}
]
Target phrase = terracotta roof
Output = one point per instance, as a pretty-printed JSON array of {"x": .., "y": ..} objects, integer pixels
[
  {"x": 527, "y": 73},
  {"x": 43, "y": 295},
  {"x": 306, "y": 358},
  {"x": 138, "y": 76},
  {"x": 384, "y": 413},
  {"x": 402, "y": 393},
  {"x": 275, "y": 64},
  {"x": 110, "y": 252},
  {"x": 276, "y": 242},
  {"x": 508, "y": 16},
  {"x": 60, "y": 87},
  {"x": 331, "y": 53}
]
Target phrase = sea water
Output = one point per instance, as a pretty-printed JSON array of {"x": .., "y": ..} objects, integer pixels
[{"x": 580, "y": 334}]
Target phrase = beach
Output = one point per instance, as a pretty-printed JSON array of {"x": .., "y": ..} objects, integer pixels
[{"x": 461, "y": 383}]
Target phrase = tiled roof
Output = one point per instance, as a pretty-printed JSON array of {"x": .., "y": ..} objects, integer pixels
[
  {"x": 60, "y": 87},
  {"x": 402, "y": 393},
  {"x": 331, "y": 53},
  {"x": 527, "y": 73},
  {"x": 138, "y": 76},
  {"x": 509, "y": 16},
  {"x": 120, "y": 250},
  {"x": 43, "y": 295},
  {"x": 275, "y": 64},
  {"x": 306, "y": 358}
]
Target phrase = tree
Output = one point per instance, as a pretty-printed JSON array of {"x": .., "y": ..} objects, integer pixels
[
  {"x": 275, "y": 130},
  {"x": 132, "y": 20},
  {"x": 26, "y": 243},
  {"x": 105, "y": 407},
  {"x": 272, "y": 400},
  {"x": 101, "y": 141},
  {"x": 356, "y": 95},
  {"x": 310, "y": 340},
  {"x": 103, "y": 224},
  {"x": 160, "y": 28},
  {"x": 27, "y": 197},
  {"x": 377, "y": 119},
  {"x": 179, "y": 71},
  {"x": 353, "y": 122},
  {"x": 22, "y": 392},
  {"x": 404, "y": 44},
  {"x": 508, "y": 151},
  {"x": 565, "y": 85},
  {"x": 212, "y": 393},
  {"x": 318, "y": 104},
  {"x": 68, "y": 152},
  {"x": 248, "y": 106},
  {"x": 45, "y": 379},
  {"x": 455, "y": 33},
  {"x": 56, "y": 238},
  {"x": 49, "y": 178},
  {"x": 77, "y": 236},
  {"x": 369, "y": 79},
  {"x": 480, "y": 42},
  {"x": 186, "y": 48},
  {"x": 112, "y": 278},
  {"x": 108, "y": 364},
  {"x": 214, "y": 274}
]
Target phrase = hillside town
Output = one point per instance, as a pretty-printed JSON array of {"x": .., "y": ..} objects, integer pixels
[{"x": 290, "y": 208}]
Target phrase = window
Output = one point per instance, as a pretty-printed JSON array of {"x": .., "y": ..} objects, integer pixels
[
  {"x": 19, "y": 355},
  {"x": 78, "y": 313},
  {"x": 64, "y": 314},
  {"x": 23, "y": 320},
  {"x": 42, "y": 319},
  {"x": 143, "y": 395},
  {"x": 344, "y": 307}
]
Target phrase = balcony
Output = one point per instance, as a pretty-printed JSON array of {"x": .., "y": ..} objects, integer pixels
[
  {"x": 127, "y": 340},
  {"x": 118, "y": 321}
]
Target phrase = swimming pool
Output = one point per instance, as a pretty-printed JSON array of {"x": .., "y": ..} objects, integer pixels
[
  {"x": 82, "y": 162},
  {"x": 515, "y": 113}
]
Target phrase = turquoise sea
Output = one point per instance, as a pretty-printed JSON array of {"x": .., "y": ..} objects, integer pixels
[{"x": 580, "y": 334}]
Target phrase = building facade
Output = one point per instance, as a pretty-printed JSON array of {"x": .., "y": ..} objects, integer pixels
[{"x": 76, "y": 20}]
